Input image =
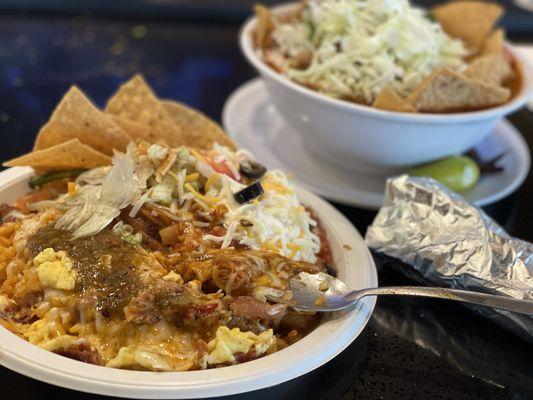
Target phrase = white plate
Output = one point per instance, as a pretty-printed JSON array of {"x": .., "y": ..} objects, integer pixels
[
  {"x": 527, "y": 49},
  {"x": 355, "y": 267},
  {"x": 254, "y": 123}
]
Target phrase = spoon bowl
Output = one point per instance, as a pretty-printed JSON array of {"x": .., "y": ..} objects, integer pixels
[{"x": 323, "y": 292}]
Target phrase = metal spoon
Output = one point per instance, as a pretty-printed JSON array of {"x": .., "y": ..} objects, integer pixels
[{"x": 322, "y": 292}]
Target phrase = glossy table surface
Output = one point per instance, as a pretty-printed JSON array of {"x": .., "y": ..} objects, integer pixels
[{"x": 412, "y": 348}]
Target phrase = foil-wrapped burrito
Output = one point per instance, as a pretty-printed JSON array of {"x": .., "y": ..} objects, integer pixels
[{"x": 454, "y": 244}]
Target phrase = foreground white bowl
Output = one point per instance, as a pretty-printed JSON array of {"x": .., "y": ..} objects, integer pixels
[
  {"x": 355, "y": 267},
  {"x": 363, "y": 138}
]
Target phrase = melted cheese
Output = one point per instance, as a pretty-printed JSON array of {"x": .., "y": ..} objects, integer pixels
[{"x": 50, "y": 331}]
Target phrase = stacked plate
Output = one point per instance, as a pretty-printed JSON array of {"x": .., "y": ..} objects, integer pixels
[{"x": 253, "y": 121}]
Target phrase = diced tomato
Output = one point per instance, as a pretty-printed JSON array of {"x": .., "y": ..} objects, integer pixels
[
  {"x": 33, "y": 197},
  {"x": 220, "y": 167}
]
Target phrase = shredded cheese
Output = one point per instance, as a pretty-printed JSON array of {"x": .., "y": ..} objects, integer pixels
[
  {"x": 139, "y": 203},
  {"x": 229, "y": 235},
  {"x": 207, "y": 199},
  {"x": 211, "y": 181},
  {"x": 192, "y": 177},
  {"x": 279, "y": 222},
  {"x": 196, "y": 154},
  {"x": 72, "y": 188}
]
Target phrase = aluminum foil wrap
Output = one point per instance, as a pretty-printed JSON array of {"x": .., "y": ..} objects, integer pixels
[{"x": 454, "y": 244}]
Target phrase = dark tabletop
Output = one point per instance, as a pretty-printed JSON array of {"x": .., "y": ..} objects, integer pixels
[{"x": 412, "y": 348}]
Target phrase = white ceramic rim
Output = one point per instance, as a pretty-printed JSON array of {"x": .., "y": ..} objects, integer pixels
[
  {"x": 525, "y": 93},
  {"x": 317, "y": 348},
  {"x": 372, "y": 199}
]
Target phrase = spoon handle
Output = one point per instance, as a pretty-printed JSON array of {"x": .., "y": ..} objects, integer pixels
[{"x": 489, "y": 300}]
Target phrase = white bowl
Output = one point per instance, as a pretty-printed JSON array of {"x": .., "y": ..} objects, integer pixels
[
  {"x": 355, "y": 267},
  {"x": 367, "y": 139}
]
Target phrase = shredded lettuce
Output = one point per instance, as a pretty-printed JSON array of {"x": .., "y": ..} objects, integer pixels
[
  {"x": 162, "y": 192},
  {"x": 360, "y": 47},
  {"x": 95, "y": 206},
  {"x": 143, "y": 166},
  {"x": 93, "y": 176},
  {"x": 119, "y": 186},
  {"x": 134, "y": 239},
  {"x": 126, "y": 233},
  {"x": 157, "y": 153}
]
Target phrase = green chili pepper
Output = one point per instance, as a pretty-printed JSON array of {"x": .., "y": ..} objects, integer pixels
[
  {"x": 458, "y": 173},
  {"x": 54, "y": 176}
]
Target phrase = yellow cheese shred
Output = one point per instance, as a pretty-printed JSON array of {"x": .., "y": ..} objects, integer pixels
[
  {"x": 207, "y": 199},
  {"x": 72, "y": 188},
  {"x": 192, "y": 177},
  {"x": 211, "y": 181}
]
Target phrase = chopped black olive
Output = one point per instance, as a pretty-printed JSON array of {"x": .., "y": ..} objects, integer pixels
[
  {"x": 246, "y": 222},
  {"x": 252, "y": 169},
  {"x": 249, "y": 193}
]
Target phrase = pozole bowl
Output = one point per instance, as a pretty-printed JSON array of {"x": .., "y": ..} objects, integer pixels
[{"x": 363, "y": 138}]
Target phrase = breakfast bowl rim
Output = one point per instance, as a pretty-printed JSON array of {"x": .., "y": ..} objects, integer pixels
[{"x": 321, "y": 345}]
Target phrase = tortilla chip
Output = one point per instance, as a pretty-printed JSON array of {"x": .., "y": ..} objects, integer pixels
[
  {"x": 294, "y": 15},
  {"x": 136, "y": 130},
  {"x": 492, "y": 69},
  {"x": 265, "y": 27},
  {"x": 136, "y": 102},
  {"x": 470, "y": 21},
  {"x": 75, "y": 117},
  {"x": 494, "y": 42},
  {"x": 67, "y": 155},
  {"x": 446, "y": 90},
  {"x": 275, "y": 59},
  {"x": 198, "y": 130},
  {"x": 388, "y": 99}
]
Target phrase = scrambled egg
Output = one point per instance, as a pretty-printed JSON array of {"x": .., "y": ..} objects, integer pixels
[
  {"x": 228, "y": 342},
  {"x": 55, "y": 269}
]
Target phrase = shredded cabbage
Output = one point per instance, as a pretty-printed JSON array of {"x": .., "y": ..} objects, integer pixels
[{"x": 360, "y": 47}]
